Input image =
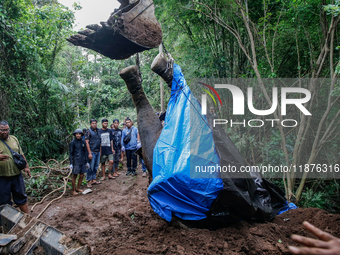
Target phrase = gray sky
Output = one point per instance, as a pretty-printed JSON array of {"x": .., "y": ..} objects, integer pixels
[{"x": 93, "y": 11}]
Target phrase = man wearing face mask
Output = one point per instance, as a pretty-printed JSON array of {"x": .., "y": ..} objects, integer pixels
[{"x": 11, "y": 180}]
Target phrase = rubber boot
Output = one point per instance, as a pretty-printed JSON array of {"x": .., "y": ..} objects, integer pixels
[{"x": 164, "y": 68}]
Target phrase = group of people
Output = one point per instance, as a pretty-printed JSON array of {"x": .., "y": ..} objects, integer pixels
[{"x": 95, "y": 146}]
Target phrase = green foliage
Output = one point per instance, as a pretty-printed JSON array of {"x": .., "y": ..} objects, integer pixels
[
  {"x": 36, "y": 186},
  {"x": 313, "y": 199},
  {"x": 38, "y": 105},
  {"x": 322, "y": 194},
  {"x": 333, "y": 9}
]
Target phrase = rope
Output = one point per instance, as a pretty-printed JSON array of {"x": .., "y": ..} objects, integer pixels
[
  {"x": 65, "y": 185},
  {"x": 65, "y": 180}
]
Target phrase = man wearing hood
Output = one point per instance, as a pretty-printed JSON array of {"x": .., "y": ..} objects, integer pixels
[{"x": 78, "y": 160}]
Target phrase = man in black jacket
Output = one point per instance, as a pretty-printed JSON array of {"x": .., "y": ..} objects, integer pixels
[
  {"x": 117, "y": 146},
  {"x": 78, "y": 160},
  {"x": 93, "y": 140}
]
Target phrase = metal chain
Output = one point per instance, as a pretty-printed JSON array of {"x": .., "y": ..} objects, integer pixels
[
  {"x": 170, "y": 63},
  {"x": 138, "y": 65},
  {"x": 166, "y": 52}
]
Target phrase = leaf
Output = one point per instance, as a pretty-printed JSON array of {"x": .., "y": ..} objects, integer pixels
[{"x": 53, "y": 83}]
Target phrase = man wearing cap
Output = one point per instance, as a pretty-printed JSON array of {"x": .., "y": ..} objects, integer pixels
[
  {"x": 106, "y": 148},
  {"x": 78, "y": 160},
  {"x": 117, "y": 146},
  {"x": 11, "y": 180},
  {"x": 130, "y": 146},
  {"x": 92, "y": 140}
]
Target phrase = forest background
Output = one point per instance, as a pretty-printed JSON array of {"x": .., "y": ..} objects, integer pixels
[{"x": 48, "y": 87}]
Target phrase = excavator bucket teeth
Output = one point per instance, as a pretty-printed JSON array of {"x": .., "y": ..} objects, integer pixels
[{"x": 132, "y": 28}]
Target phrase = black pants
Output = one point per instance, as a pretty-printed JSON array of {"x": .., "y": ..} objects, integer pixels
[
  {"x": 12, "y": 186},
  {"x": 130, "y": 154}
]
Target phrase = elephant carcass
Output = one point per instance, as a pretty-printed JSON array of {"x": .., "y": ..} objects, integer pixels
[
  {"x": 204, "y": 199},
  {"x": 130, "y": 29}
]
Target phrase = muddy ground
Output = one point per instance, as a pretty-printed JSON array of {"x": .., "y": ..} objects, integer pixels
[{"x": 117, "y": 219}]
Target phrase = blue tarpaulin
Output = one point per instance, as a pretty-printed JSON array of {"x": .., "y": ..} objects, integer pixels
[
  {"x": 188, "y": 141},
  {"x": 287, "y": 207},
  {"x": 172, "y": 191}
]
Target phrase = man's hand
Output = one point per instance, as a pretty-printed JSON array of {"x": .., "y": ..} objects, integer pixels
[
  {"x": 90, "y": 156},
  {"x": 3, "y": 157},
  {"x": 123, "y": 148},
  {"x": 27, "y": 171},
  {"x": 139, "y": 145},
  {"x": 113, "y": 151},
  {"x": 327, "y": 244}
]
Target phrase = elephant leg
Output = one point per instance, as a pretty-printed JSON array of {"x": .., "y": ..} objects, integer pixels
[
  {"x": 163, "y": 67},
  {"x": 149, "y": 126}
]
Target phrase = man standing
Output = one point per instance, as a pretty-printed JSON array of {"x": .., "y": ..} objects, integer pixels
[
  {"x": 117, "y": 146},
  {"x": 123, "y": 152},
  {"x": 106, "y": 148},
  {"x": 92, "y": 140},
  {"x": 130, "y": 143},
  {"x": 78, "y": 160},
  {"x": 11, "y": 180}
]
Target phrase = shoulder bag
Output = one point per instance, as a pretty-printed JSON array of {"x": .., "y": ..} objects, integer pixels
[
  {"x": 19, "y": 159},
  {"x": 127, "y": 138}
]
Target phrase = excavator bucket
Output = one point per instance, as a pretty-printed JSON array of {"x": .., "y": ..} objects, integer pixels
[
  {"x": 23, "y": 234},
  {"x": 130, "y": 29}
]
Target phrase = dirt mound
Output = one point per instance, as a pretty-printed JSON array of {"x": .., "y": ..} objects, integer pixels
[{"x": 117, "y": 219}]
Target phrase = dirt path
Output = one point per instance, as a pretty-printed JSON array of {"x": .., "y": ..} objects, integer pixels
[{"x": 117, "y": 219}]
